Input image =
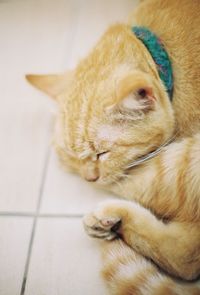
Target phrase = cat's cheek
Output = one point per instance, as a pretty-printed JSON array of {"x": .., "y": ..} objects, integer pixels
[{"x": 107, "y": 176}]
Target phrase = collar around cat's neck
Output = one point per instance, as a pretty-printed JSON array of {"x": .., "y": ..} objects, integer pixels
[{"x": 159, "y": 55}]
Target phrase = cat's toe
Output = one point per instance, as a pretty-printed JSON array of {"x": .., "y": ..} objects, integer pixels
[{"x": 104, "y": 228}]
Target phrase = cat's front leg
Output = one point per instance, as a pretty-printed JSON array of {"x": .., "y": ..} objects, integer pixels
[{"x": 173, "y": 246}]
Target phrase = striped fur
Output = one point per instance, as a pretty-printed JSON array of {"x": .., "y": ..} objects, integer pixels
[
  {"x": 128, "y": 273},
  {"x": 105, "y": 127}
]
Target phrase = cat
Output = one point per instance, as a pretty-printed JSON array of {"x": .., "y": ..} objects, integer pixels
[{"x": 125, "y": 127}]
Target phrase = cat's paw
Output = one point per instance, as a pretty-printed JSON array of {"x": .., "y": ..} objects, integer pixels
[{"x": 104, "y": 222}]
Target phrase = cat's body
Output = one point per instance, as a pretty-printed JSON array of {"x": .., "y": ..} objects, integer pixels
[{"x": 106, "y": 123}]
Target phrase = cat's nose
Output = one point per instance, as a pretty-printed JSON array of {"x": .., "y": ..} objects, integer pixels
[
  {"x": 90, "y": 173},
  {"x": 92, "y": 178}
]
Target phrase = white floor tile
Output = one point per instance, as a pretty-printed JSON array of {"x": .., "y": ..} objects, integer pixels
[
  {"x": 65, "y": 261},
  {"x": 14, "y": 241},
  {"x": 24, "y": 144},
  {"x": 94, "y": 18},
  {"x": 33, "y": 39},
  {"x": 67, "y": 193}
]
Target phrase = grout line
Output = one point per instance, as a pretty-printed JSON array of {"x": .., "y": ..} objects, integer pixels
[
  {"x": 16, "y": 214},
  {"x": 46, "y": 162},
  {"x": 60, "y": 215},
  {"x": 42, "y": 215},
  {"x": 72, "y": 37},
  {"x": 73, "y": 34}
]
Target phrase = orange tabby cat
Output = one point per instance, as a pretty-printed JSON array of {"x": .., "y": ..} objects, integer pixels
[{"x": 118, "y": 128}]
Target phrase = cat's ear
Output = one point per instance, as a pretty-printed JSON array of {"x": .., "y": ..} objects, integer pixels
[
  {"x": 53, "y": 85},
  {"x": 139, "y": 99},
  {"x": 135, "y": 97}
]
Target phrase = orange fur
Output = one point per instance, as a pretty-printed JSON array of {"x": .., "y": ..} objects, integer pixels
[
  {"x": 128, "y": 273},
  {"x": 104, "y": 125}
]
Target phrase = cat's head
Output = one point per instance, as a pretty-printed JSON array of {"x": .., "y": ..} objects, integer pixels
[{"x": 113, "y": 108}]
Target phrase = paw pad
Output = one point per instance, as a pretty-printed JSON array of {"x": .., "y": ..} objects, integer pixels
[{"x": 109, "y": 222}]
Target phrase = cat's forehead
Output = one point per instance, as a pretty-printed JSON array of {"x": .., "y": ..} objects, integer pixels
[
  {"x": 93, "y": 77},
  {"x": 109, "y": 133},
  {"x": 95, "y": 88},
  {"x": 110, "y": 59}
]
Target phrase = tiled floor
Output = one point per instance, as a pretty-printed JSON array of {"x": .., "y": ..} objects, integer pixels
[{"x": 43, "y": 248}]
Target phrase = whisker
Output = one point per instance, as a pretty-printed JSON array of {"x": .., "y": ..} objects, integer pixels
[{"x": 151, "y": 154}]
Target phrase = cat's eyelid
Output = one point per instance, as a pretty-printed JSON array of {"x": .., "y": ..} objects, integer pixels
[{"x": 103, "y": 155}]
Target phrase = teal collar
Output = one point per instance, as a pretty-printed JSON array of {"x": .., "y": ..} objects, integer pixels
[{"x": 159, "y": 55}]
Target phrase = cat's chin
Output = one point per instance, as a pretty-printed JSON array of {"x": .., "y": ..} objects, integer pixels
[
  {"x": 106, "y": 182},
  {"x": 103, "y": 182}
]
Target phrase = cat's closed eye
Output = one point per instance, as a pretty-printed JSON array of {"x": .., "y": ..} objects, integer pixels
[{"x": 103, "y": 155}]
